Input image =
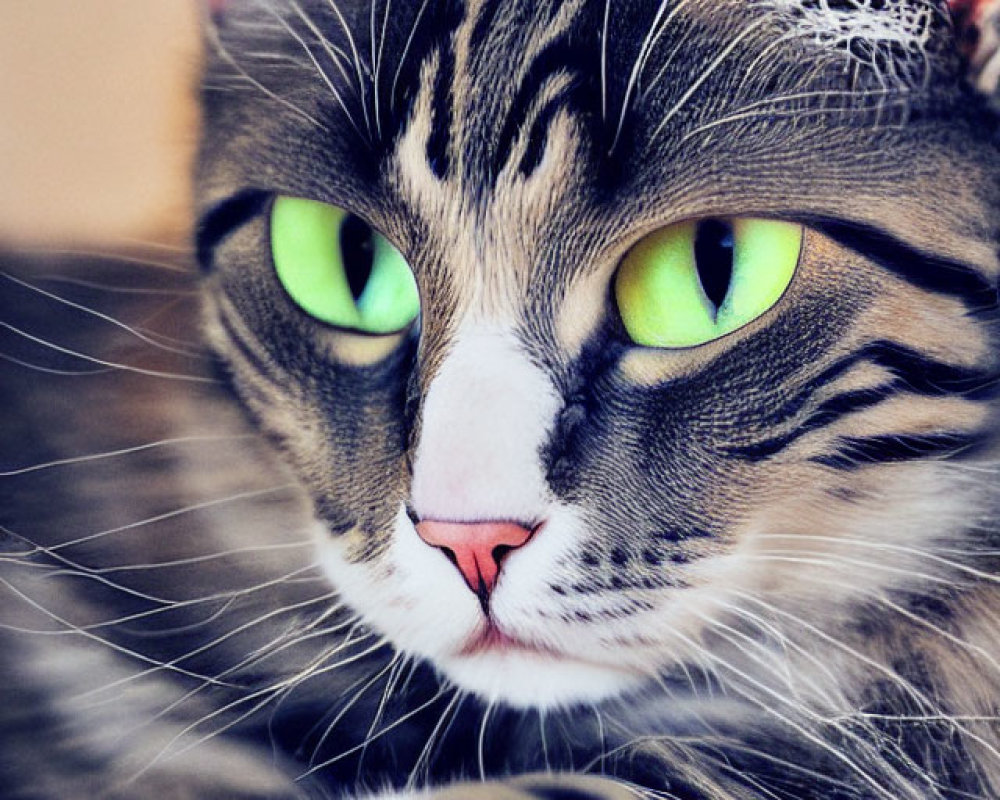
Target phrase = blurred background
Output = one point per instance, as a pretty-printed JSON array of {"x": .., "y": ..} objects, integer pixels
[{"x": 97, "y": 121}]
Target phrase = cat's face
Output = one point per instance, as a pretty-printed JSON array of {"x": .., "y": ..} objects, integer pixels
[{"x": 657, "y": 487}]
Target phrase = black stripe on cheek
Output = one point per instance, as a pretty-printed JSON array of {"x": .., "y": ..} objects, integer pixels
[
  {"x": 858, "y": 452},
  {"x": 913, "y": 374},
  {"x": 828, "y": 412},
  {"x": 270, "y": 372},
  {"x": 928, "y": 376},
  {"x": 924, "y": 270},
  {"x": 223, "y": 219}
]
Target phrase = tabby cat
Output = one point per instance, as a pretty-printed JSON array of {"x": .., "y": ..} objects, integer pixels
[{"x": 599, "y": 401}]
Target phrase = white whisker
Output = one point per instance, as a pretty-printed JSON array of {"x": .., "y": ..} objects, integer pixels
[
  {"x": 105, "y": 255},
  {"x": 387, "y": 729},
  {"x": 203, "y": 558},
  {"x": 104, "y": 317},
  {"x": 395, "y": 667},
  {"x": 604, "y": 61},
  {"x": 229, "y": 596},
  {"x": 216, "y": 41},
  {"x": 233, "y": 498},
  {"x": 712, "y": 67},
  {"x": 60, "y": 462},
  {"x": 377, "y": 62},
  {"x": 52, "y": 370},
  {"x": 357, "y": 61},
  {"x": 406, "y": 51},
  {"x": 659, "y": 25},
  {"x": 798, "y": 708},
  {"x": 892, "y": 548},
  {"x": 104, "y": 642},
  {"x": 319, "y": 69},
  {"x": 423, "y": 759},
  {"x": 152, "y": 373},
  {"x": 480, "y": 746}
]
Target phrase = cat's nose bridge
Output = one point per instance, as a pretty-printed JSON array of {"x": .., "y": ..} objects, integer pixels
[{"x": 486, "y": 414}]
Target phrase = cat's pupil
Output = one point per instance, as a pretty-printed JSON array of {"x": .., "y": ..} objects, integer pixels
[
  {"x": 357, "y": 248},
  {"x": 713, "y": 254}
]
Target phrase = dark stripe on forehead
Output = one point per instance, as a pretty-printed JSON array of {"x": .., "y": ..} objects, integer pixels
[
  {"x": 438, "y": 144},
  {"x": 483, "y": 28},
  {"x": 539, "y": 135},
  {"x": 562, "y": 57},
  {"x": 417, "y": 31},
  {"x": 924, "y": 270}
]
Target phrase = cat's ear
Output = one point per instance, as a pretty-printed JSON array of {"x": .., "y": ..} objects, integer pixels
[{"x": 977, "y": 26}]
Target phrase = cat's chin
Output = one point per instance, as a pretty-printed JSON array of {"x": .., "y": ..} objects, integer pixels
[{"x": 529, "y": 678}]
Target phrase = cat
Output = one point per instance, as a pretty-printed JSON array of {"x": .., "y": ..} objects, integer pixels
[{"x": 579, "y": 399}]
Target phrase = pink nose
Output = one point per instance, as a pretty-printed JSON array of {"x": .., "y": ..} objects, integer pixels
[{"x": 477, "y": 548}]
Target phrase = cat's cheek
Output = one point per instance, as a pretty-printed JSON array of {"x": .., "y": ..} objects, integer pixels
[{"x": 411, "y": 593}]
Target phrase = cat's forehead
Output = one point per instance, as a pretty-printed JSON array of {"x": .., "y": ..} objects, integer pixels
[
  {"x": 537, "y": 139},
  {"x": 631, "y": 91}
]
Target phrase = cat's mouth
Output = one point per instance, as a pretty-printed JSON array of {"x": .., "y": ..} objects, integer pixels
[
  {"x": 498, "y": 646},
  {"x": 499, "y": 665},
  {"x": 491, "y": 639}
]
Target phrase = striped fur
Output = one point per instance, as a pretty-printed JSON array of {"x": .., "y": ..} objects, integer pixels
[{"x": 765, "y": 567}]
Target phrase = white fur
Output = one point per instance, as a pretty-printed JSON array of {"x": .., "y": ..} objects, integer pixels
[
  {"x": 902, "y": 23},
  {"x": 426, "y": 609},
  {"x": 487, "y": 413}
]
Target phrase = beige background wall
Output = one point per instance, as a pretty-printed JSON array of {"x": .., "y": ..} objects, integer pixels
[{"x": 96, "y": 120}]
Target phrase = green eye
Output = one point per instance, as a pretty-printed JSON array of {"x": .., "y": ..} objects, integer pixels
[
  {"x": 339, "y": 270},
  {"x": 690, "y": 283}
]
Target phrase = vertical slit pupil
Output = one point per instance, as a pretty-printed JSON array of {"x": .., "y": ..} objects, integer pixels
[
  {"x": 714, "y": 250},
  {"x": 357, "y": 249}
]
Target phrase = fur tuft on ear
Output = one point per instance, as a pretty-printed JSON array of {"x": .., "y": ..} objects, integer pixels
[{"x": 977, "y": 23}]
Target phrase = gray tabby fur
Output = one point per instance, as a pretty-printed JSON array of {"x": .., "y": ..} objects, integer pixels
[{"x": 171, "y": 629}]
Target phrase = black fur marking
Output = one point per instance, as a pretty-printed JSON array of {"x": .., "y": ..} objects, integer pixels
[
  {"x": 924, "y": 270},
  {"x": 413, "y": 34},
  {"x": 915, "y": 374},
  {"x": 262, "y": 367},
  {"x": 223, "y": 219},
  {"x": 828, "y": 412},
  {"x": 928, "y": 376},
  {"x": 858, "y": 452},
  {"x": 562, "y": 452},
  {"x": 538, "y": 137},
  {"x": 437, "y": 143},
  {"x": 562, "y": 56},
  {"x": 484, "y": 27}
]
